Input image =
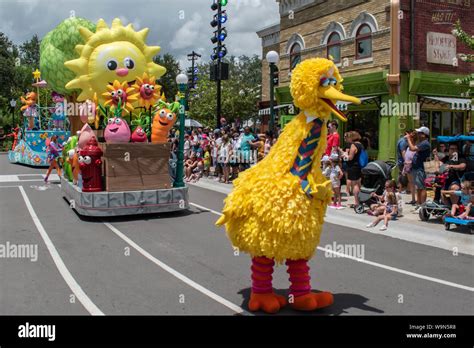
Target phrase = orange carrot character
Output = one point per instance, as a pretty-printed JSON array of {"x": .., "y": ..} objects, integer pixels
[{"x": 163, "y": 120}]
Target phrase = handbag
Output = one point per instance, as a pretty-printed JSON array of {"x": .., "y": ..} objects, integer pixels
[{"x": 432, "y": 166}]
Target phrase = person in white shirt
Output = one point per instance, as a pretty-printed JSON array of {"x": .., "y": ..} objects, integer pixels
[{"x": 335, "y": 174}]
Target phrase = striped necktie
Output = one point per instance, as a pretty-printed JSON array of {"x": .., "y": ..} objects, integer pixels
[{"x": 303, "y": 162}]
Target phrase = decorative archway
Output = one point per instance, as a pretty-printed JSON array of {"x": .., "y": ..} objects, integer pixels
[
  {"x": 333, "y": 27},
  {"x": 364, "y": 18},
  {"x": 294, "y": 39}
]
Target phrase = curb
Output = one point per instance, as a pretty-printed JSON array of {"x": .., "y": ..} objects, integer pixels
[{"x": 404, "y": 230}]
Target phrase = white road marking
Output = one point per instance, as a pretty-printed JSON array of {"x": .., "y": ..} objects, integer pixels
[
  {"x": 16, "y": 177},
  {"x": 204, "y": 208},
  {"x": 394, "y": 269},
  {"x": 9, "y": 178},
  {"x": 175, "y": 273},
  {"x": 375, "y": 264},
  {"x": 67, "y": 276}
]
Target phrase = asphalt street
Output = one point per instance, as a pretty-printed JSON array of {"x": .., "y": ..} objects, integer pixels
[{"x": 182, "y": 264}]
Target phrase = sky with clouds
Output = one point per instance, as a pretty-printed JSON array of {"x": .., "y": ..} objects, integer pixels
[{"x": 178, "y": 26}]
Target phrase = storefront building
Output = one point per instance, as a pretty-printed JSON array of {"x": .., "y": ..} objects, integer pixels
[{"x": 357, "y": 36}]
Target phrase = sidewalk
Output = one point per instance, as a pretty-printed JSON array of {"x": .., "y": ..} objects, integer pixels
[{"x": 408, "y": 227}]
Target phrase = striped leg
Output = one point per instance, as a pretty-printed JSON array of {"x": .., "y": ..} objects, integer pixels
[
  {"x": 300, "y": 290},
  {"x": 262, "y": 296}
]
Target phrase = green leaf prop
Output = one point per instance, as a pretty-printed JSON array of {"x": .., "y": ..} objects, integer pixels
[{"x": 57, "y": 47}]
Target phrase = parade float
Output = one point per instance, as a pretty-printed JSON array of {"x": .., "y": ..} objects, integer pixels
[{"x": 119, "y": 162}]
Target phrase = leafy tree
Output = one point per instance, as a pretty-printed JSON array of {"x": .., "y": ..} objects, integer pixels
[
  {"x": 239, "y": 94},
  {"x": 7, "y": 64},
  {"x": 30, "y": 52},
  {"x": 168, "y": 80},
  {"x": 57, "y": 47}
]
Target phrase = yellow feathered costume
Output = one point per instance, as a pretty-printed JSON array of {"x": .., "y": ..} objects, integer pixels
[{"x": 268, "y": 214}]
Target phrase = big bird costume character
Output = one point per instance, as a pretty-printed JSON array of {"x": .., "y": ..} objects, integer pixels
[{"x": 276, "y": 209}]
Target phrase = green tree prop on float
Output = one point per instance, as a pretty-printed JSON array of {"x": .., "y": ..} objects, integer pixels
[
  {"x": 57, "y": 47},
  {"x": 469, "y": 58}
]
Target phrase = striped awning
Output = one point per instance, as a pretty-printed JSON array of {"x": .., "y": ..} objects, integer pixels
[
  {"x": 453, "y": 103},
  {"x": 266, "y": 111}
]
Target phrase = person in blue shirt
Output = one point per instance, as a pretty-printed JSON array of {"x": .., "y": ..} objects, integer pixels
[
  {"x": 422, "y": 150},
  {"x": 402, "y": 146},
  {"x": 247, "y": 142}
]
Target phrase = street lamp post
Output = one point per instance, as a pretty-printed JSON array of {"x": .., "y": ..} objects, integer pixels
[
  {"x": 182, "y": 81},
  {"x": 272, "y": 58}
]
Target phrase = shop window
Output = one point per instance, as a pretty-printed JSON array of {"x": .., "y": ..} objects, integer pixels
[
  {"x": 425, "y": 118},
  {"x": 458, "y": 123},
  {"x": 364, "y": 42},
  {"x": 446, "y": 123},
  {"x": 367, "y": 124},
  {"x": 334, "y": 47},
  {"x": 443, "y": 122},
  {"x": 295, "y": 55},
  {"x": 435, "y": 124}
]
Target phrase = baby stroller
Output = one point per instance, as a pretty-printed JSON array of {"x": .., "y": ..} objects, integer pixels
[
  {"x": 433, "y": 208},
  {"x": 374, "y": 176}
]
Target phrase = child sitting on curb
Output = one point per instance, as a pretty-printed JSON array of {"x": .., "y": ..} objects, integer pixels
[
  {"x": 464, "y": 201},
  {"x": 378, "y": 208},
  {"x": 390, "y": 212}
]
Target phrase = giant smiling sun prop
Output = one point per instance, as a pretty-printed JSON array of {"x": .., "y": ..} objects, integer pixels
[{"x": 116, "y": 53}]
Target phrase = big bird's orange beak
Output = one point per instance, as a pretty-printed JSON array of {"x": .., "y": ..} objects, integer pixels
[{"x": 331, "y": 96}]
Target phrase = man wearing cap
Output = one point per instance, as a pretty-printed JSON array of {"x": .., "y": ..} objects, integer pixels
[{"x": 422, "y": 151}]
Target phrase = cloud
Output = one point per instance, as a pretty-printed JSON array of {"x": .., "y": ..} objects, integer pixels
[{"x": 188, "y": 34}]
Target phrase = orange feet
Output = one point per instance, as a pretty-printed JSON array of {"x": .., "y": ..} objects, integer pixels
[
  {"x": 269, "y": 303},
  {"x": 312, "y": 301}
]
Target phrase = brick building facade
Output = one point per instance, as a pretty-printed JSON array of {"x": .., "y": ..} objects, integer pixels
[{"x": 433, "y": 16}]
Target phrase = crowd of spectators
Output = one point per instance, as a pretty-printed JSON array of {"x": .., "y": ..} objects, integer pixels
[
  {"x": 222, "y": 153},
  {"x": 225, "y": 152}
]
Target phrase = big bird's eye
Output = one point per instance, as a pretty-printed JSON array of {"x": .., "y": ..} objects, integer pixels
[
  {"x": 324, "y": 82},
  {"x": 112, "y": 64},
  {"x": 333, "y": 81},
  {"x": 129, "y": 63},
  {"x": 163, "y": 113},
  {"x": 170, "y": 117}
]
